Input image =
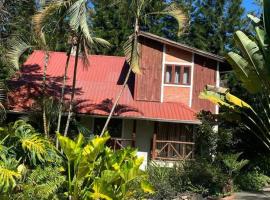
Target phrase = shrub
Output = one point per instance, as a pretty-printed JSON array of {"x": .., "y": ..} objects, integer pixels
[
  {"x": 206, "y": 177},
  {"x": 159, "y": 177},
  {"x": 252, "y": 181},
  {"x": 262, "y": 163},
  {"x": 199, "y": 177}
]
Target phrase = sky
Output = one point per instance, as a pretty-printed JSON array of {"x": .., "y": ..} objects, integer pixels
[{"x": 250, "y": 5}]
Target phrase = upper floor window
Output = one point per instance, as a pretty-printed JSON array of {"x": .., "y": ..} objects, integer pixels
[{"x": 176, "y": 74}]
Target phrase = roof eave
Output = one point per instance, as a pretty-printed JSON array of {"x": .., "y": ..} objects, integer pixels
[
  {"x": 195, "y": 122},
  {"x": 182, "y": 46}
]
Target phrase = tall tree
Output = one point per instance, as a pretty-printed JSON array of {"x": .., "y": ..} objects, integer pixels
[
  {"x": 114, "y": 22},
  {"x": 213, "y": 23}
]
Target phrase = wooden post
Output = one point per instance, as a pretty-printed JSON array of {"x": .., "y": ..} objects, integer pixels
[
  {"x": 154, "y": 146},
  {"x": 133, "y": 140},
  {"x": 184, "y": 151},
  {"x": 133, "y": 144}
]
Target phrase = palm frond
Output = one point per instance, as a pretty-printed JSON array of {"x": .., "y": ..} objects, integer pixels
[
  {"x": 132, "y": 53},
  {"x": 17, "y": 47},
  {"x": 40, "y": 18},
  {"x": 101, "y": 42},
  {"x": 76, "y": 14},
  {"x": 178, "y": 14}
]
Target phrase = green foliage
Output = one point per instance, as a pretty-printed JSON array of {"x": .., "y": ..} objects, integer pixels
[
  {"x": 9, "y": 173},
  {"x": 201, "y": 176},
  {"x": 42, "y": 183},
  {"x": 95, "y": 171},
  {"x": 252, "y": 181},
  {"x": 160, "y": 179},
  {"x": 251, "y": 67},
  {"x": 233, "y": 164},
  {"x": 261, "y": 163},
  {"x": 28, "y": 144},
  {"x": 205, "y": 177},
  {"x": 212, "y": 23},
  {"x": 209, "y": 140}
]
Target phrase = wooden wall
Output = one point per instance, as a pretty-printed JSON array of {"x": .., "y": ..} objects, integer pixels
[
  {"x": 174, "y": 54},
  {"x": 148, "y": 83},
  {"x": 204, "y": 73},
  {"x": 176, "y": 94}
]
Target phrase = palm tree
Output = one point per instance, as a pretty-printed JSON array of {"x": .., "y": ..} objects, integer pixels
[
  {"x": 138, "y": 8},
  {"x": 75, "y": 12}
]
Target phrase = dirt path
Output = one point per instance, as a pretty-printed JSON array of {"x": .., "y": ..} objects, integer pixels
[{"x": 251, "y": 196}]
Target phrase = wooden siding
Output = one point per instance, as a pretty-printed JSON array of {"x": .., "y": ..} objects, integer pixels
[
  {"x": 148, "y": 83},
  {"x": 174, "y": 132},
  {"x": 204, "y": 73},
  {"x": 176, "y": 94},
  {"x": 177, "y": 55}
]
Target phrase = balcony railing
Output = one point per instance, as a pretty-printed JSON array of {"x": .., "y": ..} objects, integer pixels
[
  {"x": 172, "y": 150},
  {"x": 120, "y": 143}
]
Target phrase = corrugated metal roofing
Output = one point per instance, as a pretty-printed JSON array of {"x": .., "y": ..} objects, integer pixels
[{"x": 97, "y": 85}]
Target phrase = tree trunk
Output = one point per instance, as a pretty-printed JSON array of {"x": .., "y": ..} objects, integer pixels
[
  {"x": 116, "y": 102},
  {"x": 70, "y": 111},
  {"x": 45, "y": 127},
  {"x": 62, "y": 95},
  {"x": 136, "y": 30}
]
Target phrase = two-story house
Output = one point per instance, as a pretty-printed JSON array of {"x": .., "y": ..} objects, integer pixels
[{"x": 157, "y": 112}]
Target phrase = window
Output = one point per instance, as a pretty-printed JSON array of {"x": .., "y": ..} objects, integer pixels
[
  {"x": 168, "y": 75},
  {"x": 186, "y": 76},
  {"x": 176, "y": 74}
]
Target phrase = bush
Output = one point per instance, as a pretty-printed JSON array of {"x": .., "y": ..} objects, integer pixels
[
  {"x": 262, "y": 163},
  {"x": 252, "y": 181},
  {"x": 199, "y": 177},
  {"x": 206, "y": 177},
  {"x": 159, "y": 177}
]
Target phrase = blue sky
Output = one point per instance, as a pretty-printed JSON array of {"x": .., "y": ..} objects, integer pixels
[{"x": 250, "y": 5}]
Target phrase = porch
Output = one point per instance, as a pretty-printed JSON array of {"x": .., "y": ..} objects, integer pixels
[{"x": 163, "y": 141}]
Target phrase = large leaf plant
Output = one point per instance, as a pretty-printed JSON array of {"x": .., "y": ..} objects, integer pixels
[
  {"x": 94, "y": 171},
  {"x": 251, "y": 65}
]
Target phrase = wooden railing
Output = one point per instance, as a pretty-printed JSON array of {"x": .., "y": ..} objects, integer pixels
[
  {"x": 120, "y": 143},
  {"x": 172, "y": 150}
]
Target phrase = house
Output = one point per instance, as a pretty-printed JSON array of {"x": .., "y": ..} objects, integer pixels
[{"x": 157, "y": 112}]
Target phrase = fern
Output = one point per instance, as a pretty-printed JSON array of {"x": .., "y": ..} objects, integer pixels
[{"x": 42, "y": 183}]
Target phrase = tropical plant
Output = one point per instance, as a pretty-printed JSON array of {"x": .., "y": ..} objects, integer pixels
[
  {"x": 17, "y": 47},
  {"x": 9, "y": 173},
  {"x": 252, "y": 69},
  {"x": 42, "y": 183},
  {"x": 138, "y": 9},
  {"x": 28, "y": 145},
  {"x": 95, "y": 172},
  {"x": 233, "y": 165},
  {"x": 22, "y": 149}
]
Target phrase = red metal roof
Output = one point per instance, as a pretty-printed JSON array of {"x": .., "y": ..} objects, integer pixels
[{"x": 97, "y": 86}]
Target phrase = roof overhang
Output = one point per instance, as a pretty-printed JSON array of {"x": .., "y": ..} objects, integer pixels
[
  {"x": 195, "y": 122},
  {"x": 181, "y": 46}
]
